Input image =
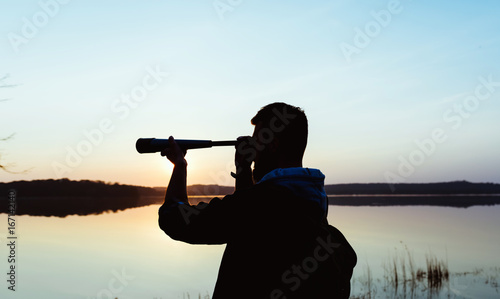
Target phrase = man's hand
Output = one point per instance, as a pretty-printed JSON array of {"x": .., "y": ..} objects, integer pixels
[
  {"x": 245, "y": 153},
  {"x": 176, "y": 190},
  {"x": 174, "y": 153},
  {"x": 243, "y": 158}
]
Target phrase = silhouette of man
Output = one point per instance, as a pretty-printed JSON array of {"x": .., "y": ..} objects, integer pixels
[{"x": 279, "y": 244}]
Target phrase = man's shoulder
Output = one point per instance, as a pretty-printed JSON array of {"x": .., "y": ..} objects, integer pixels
[
  {"x": 262, "y": 190},
  {"x": 268, "y": 196}
]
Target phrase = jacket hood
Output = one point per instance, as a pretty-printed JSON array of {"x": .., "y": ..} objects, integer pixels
[{"x": 307, "y": 183}]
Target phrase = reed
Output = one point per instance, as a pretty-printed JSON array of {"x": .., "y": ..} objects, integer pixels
[
  {"x": 366, "y": 282},
  {"x": 401, "y": 272},
  {"x": 188, "y": 296},
  {"x": 437, "y": 272}
]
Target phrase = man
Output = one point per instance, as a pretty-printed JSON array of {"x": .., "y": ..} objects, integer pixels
[{"x": 279, "y": 244}]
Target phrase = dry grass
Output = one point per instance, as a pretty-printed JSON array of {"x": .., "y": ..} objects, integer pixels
[
  {"x": 437, "y": 272},
  {"x": 402, "y": 276}
]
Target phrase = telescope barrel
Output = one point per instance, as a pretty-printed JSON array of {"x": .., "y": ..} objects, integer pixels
[{"x": 153, "y": 145}]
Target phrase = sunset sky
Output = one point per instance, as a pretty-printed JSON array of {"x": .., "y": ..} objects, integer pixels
[{"x": 405, "y": 91}]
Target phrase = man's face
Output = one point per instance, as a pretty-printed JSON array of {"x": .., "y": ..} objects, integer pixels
[{"x": 265, "y": 158}]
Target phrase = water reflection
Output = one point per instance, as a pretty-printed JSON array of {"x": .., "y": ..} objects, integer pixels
[
  {"x": 88, "y": 205},
  {"x": 74, "y": 205},
  {"x": 77, "y": 256},
  {"x": 391, "y": 241}
]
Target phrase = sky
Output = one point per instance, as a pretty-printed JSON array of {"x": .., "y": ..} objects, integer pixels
[{"x": 394, "y": 91}]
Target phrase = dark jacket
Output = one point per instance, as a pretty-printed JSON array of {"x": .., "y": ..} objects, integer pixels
[{"x": 279, "y": 244}]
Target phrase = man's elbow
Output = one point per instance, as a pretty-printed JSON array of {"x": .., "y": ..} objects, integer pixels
[
  {"x": 168, "y": 222},
  {"x": 162, "y": 224}
]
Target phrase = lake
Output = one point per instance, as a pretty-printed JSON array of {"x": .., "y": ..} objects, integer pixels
[{"x": 125, "y": 254}]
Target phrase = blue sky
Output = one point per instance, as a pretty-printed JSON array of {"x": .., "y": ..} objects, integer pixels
[{"x": 414, "y": 74}]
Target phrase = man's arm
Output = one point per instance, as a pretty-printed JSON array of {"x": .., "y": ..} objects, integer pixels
[
  {"x": 176, "y": 190},
  {"x": 211, "y": 223},
  {"x": 243, "y": 178},
  {"x": 200, "y": 224}
]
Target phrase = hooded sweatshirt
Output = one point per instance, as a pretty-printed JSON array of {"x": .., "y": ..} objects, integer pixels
[
  {"x": 272, "y": 234},
  {"x": 306, "y": 183}
]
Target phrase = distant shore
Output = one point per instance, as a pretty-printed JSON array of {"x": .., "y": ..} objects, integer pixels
[
  {"x": 445, "y": 200},
  {"x": 65, "y": 197}
]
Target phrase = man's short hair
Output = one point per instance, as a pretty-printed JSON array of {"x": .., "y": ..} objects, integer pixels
[{"x": 288, "y": 124}]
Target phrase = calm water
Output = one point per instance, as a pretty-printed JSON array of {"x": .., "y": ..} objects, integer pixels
[{"x": 126, "y": 255}]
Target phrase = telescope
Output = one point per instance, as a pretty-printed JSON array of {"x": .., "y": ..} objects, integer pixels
[{"x": 153, "y": 145}]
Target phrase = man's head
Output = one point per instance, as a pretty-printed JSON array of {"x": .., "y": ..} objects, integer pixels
[{"x": 281, "y": 138}]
